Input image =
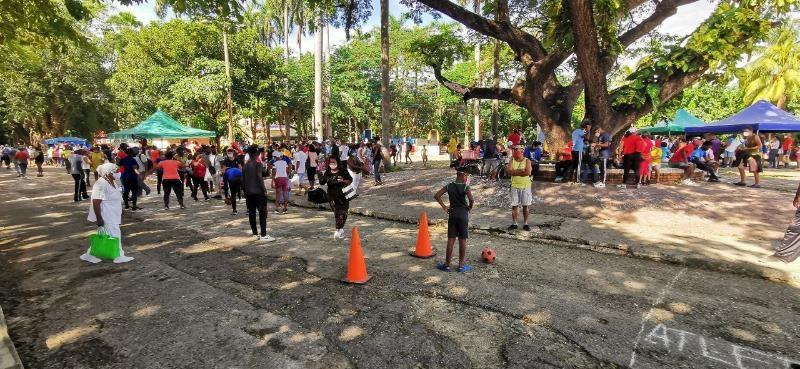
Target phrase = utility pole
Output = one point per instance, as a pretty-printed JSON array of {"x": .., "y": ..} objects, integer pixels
[{"x": 230, "y": 93}]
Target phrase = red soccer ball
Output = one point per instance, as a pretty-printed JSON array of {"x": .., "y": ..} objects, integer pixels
[{"x": 488, "y": 255}]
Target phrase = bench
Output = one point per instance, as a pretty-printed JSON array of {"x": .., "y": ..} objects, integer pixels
[{"x": 547, "y": 173}]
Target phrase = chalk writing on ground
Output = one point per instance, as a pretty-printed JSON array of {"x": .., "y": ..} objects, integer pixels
[{"x": 662, "y": 343}]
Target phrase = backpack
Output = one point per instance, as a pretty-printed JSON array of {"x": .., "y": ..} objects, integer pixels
[{"x": 317, "y": 196}]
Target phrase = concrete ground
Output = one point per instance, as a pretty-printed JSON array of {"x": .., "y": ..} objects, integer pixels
[{"x": 201, "y": 294}]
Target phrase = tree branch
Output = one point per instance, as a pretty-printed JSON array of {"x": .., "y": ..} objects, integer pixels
[
  {"x": 483, "y": 93},
  {"x": 664, "y": 10},
  {"x": 528, "y": 48}
]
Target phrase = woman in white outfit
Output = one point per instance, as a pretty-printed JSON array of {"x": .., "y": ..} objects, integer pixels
[{"x": 106, "y": 209}]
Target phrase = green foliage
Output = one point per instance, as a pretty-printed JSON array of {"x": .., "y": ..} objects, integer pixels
[{"x": 775, "y": 75}]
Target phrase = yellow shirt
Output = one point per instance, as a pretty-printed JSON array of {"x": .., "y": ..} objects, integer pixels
[
  {"x": 66, "y": 153},
  {"x": 520, "y": 181},
  {"x": 655, "y": 154},
  {"x": 452, "y": 145},
  {"x": 97, "y": 158}
]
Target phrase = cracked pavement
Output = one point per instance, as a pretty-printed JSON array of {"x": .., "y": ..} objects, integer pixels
[{"x": 200, "y": 294}]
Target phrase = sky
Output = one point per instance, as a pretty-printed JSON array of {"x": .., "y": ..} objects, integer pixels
[{"x": 682, "y": 23}]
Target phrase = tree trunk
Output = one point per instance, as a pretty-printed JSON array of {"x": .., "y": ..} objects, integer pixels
[
  {"x": 318, "y": 127},
  {"x": 476, "y": 104},
  {"x": 386, "y": 124},
  {"x": 495, "y": 84},
  {"x": 286, "y": 30},
  {"x": 327, "y": 60},
  {"x": 782, "y": 102},
  {"x": 230, "y": 93},
  {"x": 299, "y": 40}
]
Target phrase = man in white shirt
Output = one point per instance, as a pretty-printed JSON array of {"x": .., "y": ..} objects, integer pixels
[
  {"x": 344, "y": 151},
  {"x": 299, "y": 161}
]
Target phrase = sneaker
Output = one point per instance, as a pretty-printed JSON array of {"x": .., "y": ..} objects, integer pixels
[
  {"x": 267, "y": 238},
  {"x": 740, "y": 184},
  {"x": 256, "y": 237},
  {"x": 234, "y": 212},
  {"x": 512, "y": 227},
  {"x": 622, "y": 186},
  {"x": 688, "y": 182},
  {"x": 335, "y": 234},
  {"x": 183, "y": 206},
  {"x": 754, "y": 186},
  {"x": 715, "y": 179},
  {"x": 526, "y": 228},
  {"x": 600, "y": 185},
  {"x": 558, "y": 180},
  {"x": 166, "y": 208}
]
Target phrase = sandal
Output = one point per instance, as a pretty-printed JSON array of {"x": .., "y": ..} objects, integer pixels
[
  {"x": 465, "y": 268},
  {"x": 441, "y": 266},
  {"x": 742, "y": 184},
  {"x": 754, "y": 186}
]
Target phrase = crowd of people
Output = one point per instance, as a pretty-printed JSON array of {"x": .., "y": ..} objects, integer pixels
[
  {"x": 641, "y": 156},
  {"x": 123, "y": 174}
]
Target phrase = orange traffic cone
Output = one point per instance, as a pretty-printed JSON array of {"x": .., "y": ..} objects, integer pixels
[
  {"x": 423, "y": 249},
  {"x": 356, "y": 265}
]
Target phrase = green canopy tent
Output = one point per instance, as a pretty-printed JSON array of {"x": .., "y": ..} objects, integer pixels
[
  {"x": 161, "y": 125},
  {"x": 677, "y": 125}
]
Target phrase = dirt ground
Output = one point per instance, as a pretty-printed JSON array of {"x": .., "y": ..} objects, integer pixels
[{"x": 201, "y": 294}]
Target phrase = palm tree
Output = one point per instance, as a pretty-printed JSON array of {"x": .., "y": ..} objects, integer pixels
[
  {"x": 386, "y": 123},
  {"x": 775, "y": 75}
]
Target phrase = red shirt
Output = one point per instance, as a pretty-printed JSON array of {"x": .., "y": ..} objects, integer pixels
[
  {"x": 514, "y": 138},
  {"x": 170, "y": 169},
  {"x": 682, "y": 155},
  {"x": 632, "y": 144},
  {"x": 787, "y": 144},
  {"x": 647, "y": 145},
  {"x": 154, "y": 154}
]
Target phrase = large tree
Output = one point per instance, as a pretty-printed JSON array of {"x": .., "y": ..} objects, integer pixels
[
  {"x": 775, "y": 75},
  {"x": 589, "y": 37}
]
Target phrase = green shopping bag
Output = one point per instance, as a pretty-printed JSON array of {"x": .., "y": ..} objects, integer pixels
[{"x": 103, "y": 246}]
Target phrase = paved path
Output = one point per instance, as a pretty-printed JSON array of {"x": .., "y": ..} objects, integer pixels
[{"x": 200, "y": 295}]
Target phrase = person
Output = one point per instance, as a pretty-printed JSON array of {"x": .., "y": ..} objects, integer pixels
[
  {"x": 171, "y": 180},
  {"x": 97, "y": 158},
  {"x": 21, "y": 158},
  {"x": 647, "y": 160},
  {"x": 354, "y": 168},
  {"x": 311, "y": 168},
  {"x": 39, "y": 161},
  {"x": 657, "y": 156},
  {"x": 198, "y": 173},
  {"x": 520, "y": 171},
  {"x": 86, "y": 167},
  {"x": 631, "y": 158},
  {"x": 407, "y": 149},
  {"x": 786, "y": 147},
  {"x": 5, "y": 157},
  {"x": 393, "y": 154},
  {"x": 578, "y": 145},
  {"x": 130, "y": 179},
  {"x": 106, "y": 210},
  {"x": 255, "y": 194},
  {"x": 534, "y": 154},
  {"x": 77, "y": 175},
  {"x": 233, "y": 182},
  {"x": 12, "y": 153},
  {"x": 490, "y": 157},
  {"x": 750, "y": 158},
  {"x": 564, "y": 163},
  {"x": 452, "y": 147},
  {"x": 344, "y": 151},
  {"x": 774, "y": 148},
  {"x": 681, "y": 160},
  {"x": 337, "y": 178},
  {"x": 300, "y": 162},
  {"x": 424, "y": 153},
  {"x": 789, "y": 248},
  {"x": 281, "y": 166},
  {"x": 731, "y": 148},
  {"x": 514, "y": 137},
  {"x": 460, "y": 197},
  {"x": 603, "y": 145},
  {"x": 377, "y": 158}
]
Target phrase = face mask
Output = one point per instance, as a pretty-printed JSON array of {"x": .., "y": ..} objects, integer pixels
[
  {"x": 466, "y": 181},
  {"x": 745, "y": 134},
  {"x": 333, "y": 166}
]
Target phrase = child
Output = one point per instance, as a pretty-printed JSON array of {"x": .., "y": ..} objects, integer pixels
[
  {"x": 424, "y": 156},
  {"x": 461, "y": 202},
  {"x": 281, "y": 166},
  {"x": 656, "y": 154}
]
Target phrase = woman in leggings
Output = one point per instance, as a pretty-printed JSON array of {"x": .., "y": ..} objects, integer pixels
[
  {"x": 171, "y": 180},
  {"x": 337, "y": 178}
]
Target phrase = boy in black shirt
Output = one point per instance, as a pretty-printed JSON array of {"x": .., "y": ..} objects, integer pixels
[{"x": 461, "y": 202}]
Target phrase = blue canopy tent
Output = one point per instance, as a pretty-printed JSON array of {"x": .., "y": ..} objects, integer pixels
[
  {"x": 67, "y": 140},
  {"x": 761, "y": 116}
]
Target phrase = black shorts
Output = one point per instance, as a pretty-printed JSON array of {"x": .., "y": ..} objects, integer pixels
[
  {"x": 743, "y": 158},
  {"x": 458, "y": 223}
]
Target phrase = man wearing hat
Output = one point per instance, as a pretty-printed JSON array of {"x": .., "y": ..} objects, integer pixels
[{"x": 519, "y": 168}]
